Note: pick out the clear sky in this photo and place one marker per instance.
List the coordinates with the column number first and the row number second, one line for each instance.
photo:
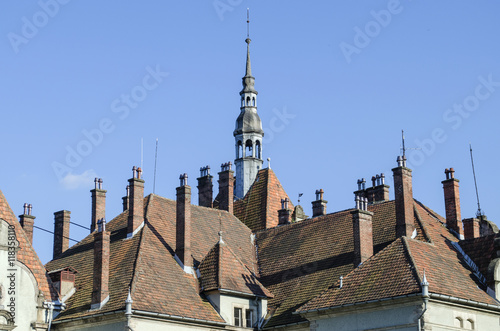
column 82, row 82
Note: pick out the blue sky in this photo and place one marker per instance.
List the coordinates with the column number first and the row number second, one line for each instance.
column 84, row 81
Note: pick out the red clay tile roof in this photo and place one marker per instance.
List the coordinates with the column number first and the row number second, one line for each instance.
column 146, row 263
column 398, row 269
column 259, row 208
column 389, row 273
column 481, row 250
column 27, row 254
column 222, row 269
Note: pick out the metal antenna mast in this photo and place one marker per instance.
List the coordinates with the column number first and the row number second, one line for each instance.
column 156, row 158
column 479, row 211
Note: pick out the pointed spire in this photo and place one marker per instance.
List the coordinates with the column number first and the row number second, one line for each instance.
column 248, row 72
column 128, row 304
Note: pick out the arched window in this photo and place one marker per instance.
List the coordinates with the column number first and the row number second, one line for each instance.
column 258, row 152
column 248, row 148
column 240, row 150
column 469, row 324
column 242, row 102
column 253, row 101
column 248, row 101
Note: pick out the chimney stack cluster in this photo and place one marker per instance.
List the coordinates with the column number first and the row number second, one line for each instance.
column 319, row 206
column 362, row 229
column 284, row 213
column 378, row 192
column 205, row 188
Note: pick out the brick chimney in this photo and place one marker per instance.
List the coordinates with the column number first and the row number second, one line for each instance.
column 27, row 221
column 284, row 213
column 61, row 232
column 452, row 202
column 98, row 203
column 136, row 202
column 183, row 224
column 125, row 199
column 362, row 231
column 319, row 206
column 379, row 192
column 226, row 187
column 471, row 228
column 205, row 188
column 100, row 291
column 404, row 199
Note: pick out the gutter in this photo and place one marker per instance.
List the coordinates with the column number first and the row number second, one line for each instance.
column 144, row 313
column 285, row 325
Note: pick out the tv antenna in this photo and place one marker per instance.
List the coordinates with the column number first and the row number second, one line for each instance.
column 479, row 211
column 404, row 149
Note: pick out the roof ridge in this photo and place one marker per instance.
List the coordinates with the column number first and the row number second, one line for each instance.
column 134, row 278
column 419, row 220
column 410, row 256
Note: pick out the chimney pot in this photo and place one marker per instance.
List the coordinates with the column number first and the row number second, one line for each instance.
column 319, row 206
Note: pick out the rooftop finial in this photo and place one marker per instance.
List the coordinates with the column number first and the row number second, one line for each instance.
column 248, row 25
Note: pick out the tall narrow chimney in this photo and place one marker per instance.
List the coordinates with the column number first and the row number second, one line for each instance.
column 319, row 206
column 125, row 199
column 98, row 203
column 226, row 187
column 61, row 232
column 452, row 202
column 27, row 221
column 362, row 231
column 183, row 227
column 284, row 213
column 404, row 199
column 471, row 228
column 136, row 202
column 205, row 188
column 100, row 291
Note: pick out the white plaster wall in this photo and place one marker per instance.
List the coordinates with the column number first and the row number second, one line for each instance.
column 403, row 316
column 26, row 289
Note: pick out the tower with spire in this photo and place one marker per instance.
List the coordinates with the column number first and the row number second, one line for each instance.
column 248, row 133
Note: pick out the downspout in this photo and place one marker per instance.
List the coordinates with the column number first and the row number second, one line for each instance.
column 425, row 297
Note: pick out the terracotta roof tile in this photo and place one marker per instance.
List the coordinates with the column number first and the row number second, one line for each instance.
column 222, row 269
column 146, row 263
column 259, row 208
column 27, row 254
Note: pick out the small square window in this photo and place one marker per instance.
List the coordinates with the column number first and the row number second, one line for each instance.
column 249, row 318
column 237, row 317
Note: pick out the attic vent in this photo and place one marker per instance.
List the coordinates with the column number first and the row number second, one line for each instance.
column 68, row 276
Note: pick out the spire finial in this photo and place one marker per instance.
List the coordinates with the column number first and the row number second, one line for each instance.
column 248, row 25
